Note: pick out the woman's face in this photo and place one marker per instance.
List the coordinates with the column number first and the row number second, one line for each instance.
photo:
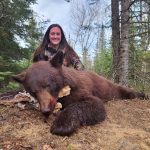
column 55, row 36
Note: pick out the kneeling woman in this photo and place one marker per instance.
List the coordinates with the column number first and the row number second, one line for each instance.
column 54, row 40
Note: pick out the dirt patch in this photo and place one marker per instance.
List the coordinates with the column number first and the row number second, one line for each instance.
column 127, row 127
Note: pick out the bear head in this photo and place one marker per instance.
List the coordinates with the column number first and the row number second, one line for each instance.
column 43, row 80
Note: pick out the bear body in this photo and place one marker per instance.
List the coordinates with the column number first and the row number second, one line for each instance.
column 85, row 103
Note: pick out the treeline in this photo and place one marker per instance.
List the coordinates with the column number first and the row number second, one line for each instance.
column 125, row 55
column 19, row 34
column 113, row 37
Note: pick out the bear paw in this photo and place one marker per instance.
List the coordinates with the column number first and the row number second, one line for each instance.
column 65, row 123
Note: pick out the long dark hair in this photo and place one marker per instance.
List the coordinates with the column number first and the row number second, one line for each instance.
column 63, row 43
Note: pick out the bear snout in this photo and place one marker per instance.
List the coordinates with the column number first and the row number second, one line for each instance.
column 47, row 102
column 47, row 109
column 46, row 112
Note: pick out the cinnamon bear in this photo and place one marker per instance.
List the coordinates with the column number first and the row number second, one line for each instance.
column 85, row 103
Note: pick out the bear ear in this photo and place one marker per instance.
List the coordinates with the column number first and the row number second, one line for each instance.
column 57, row 60
column 19, row 77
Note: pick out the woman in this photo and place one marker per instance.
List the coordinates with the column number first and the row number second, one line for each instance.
column 54, row 40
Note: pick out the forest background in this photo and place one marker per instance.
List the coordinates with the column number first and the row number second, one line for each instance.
column 111, row 35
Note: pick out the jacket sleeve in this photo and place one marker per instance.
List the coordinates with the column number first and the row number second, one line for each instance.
column 73, row 59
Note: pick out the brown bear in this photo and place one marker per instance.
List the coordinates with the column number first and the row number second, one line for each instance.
column 83, row 106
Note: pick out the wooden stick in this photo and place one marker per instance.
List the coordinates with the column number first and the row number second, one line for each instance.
column 15, row 100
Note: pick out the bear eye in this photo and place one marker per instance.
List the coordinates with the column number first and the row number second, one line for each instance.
column 33, row 94
column 46, row 86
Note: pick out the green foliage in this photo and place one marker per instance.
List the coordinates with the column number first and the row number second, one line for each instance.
column 14, row 22
column 103, row 62
column 17, row 25
column 139, row 54
column 10, row 86
column 139, row 69
column 15, row 15
column 4, row 78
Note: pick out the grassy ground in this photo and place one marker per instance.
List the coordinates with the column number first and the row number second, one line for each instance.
column 127, row 127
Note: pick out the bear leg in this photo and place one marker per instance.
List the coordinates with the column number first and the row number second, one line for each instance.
column 88, row 112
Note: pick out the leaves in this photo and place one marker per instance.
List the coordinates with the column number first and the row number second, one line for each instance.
column 18, row 26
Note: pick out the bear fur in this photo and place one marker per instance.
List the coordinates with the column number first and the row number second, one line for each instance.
column 85, row 103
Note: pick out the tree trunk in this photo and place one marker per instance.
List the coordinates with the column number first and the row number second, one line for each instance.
column 115, row 38
column 124, row 43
